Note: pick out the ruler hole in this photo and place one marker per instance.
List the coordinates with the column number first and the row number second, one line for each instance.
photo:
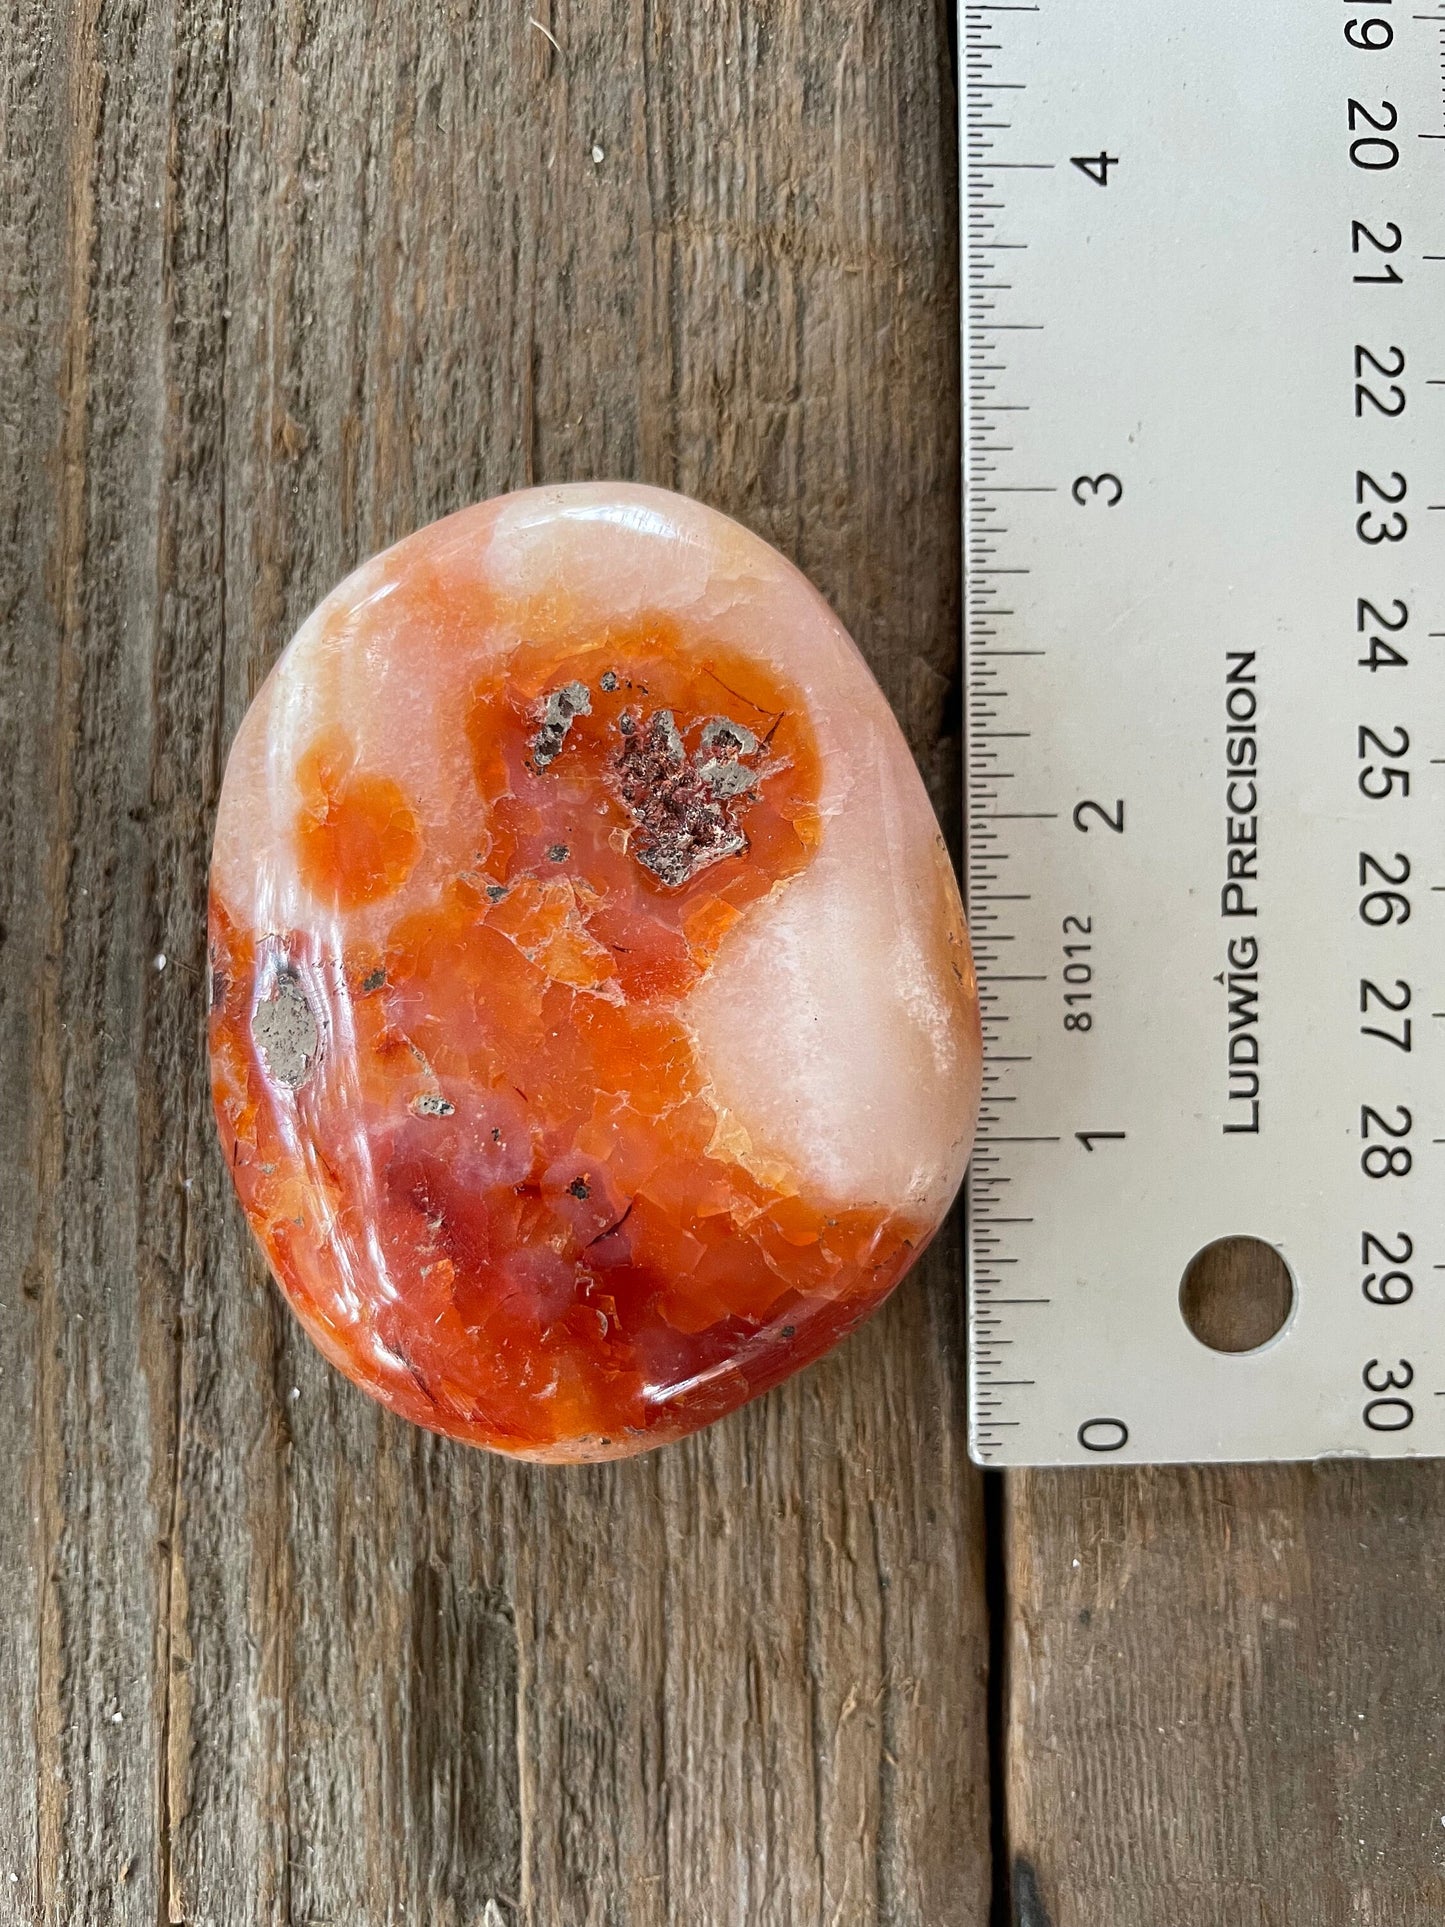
column 1236, row 1294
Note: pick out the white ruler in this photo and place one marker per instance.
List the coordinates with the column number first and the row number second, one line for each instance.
column 1205, row 435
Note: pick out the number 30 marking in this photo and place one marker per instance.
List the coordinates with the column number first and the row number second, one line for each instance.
column 1091, row 488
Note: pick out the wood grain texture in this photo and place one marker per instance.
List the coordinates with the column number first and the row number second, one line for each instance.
column 279, row 283
column 1225, row 1696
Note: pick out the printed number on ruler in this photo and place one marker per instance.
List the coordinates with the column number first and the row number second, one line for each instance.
column 1205, row 546
column 1381, row 391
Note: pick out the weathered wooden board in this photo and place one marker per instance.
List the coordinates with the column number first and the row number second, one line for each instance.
column 1225, row 1696
column 277, row 283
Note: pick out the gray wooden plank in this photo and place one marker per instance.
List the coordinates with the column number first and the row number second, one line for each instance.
column 285, row 282
column 32, row 289
column 100, row 1272
column 1224, row 1704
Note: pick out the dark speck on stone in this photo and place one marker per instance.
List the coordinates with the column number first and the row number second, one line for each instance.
column 722, row 733
column 790, row 1331
column 495, row 892
column 374, row 981
column 724, row 742
column 609, row 680
column 559, row 853
column 496, row 1134
column 560, row 708
column 626, row 723
column 727, row 779
column 579, row 1188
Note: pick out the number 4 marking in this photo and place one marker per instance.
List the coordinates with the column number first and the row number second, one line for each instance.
column 1096, row 166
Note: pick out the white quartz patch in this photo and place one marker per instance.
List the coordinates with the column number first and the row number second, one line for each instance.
column 824, row 1029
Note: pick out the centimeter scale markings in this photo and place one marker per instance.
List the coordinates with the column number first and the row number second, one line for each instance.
column 1205, row 680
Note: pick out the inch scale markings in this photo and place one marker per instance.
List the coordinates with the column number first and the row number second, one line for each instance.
column 986, row 618
column 1204, row 445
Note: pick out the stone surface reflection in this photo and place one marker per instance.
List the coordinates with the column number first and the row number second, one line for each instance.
column 593, row 1029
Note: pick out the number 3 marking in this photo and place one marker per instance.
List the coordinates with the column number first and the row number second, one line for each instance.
column 1089, row 487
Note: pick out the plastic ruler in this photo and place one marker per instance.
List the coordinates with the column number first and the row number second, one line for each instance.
column 1205, row 702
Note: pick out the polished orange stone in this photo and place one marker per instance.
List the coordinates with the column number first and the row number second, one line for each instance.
column 593, row 1031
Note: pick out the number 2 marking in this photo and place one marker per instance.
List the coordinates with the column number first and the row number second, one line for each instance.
column 1114, row 822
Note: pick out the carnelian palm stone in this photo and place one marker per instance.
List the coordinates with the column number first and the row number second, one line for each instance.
column 593, row 1029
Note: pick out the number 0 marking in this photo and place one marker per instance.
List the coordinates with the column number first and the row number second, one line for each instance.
column 1103, row 1434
